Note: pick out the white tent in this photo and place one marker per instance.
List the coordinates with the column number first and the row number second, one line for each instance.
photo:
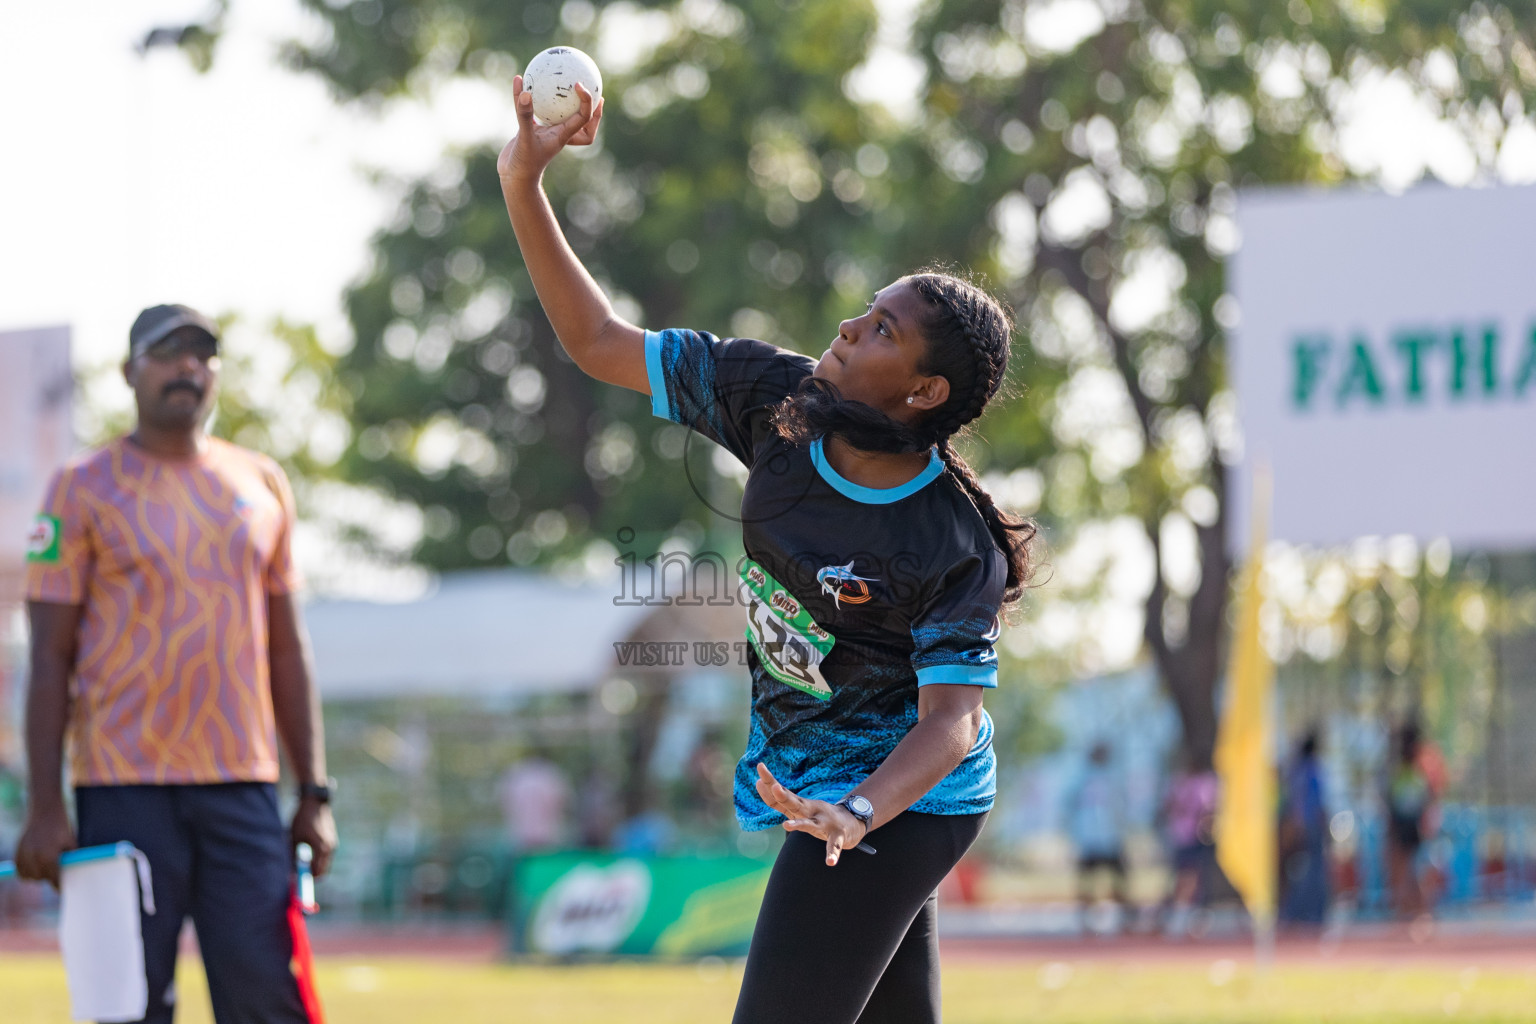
column 486, row 633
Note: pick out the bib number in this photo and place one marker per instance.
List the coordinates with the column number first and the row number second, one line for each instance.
column 787, row 640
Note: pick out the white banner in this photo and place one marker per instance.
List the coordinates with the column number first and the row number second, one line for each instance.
column 35, row 433
column 1385, row 364
column 35, row 438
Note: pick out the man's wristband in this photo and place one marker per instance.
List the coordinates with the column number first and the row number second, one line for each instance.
column 320, row 792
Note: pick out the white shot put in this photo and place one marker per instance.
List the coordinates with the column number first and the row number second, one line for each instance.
column 551, row 78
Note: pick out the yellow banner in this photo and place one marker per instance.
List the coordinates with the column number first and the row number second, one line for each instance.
column 1245, row 818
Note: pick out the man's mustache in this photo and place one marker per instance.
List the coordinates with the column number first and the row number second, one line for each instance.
column 181, row 385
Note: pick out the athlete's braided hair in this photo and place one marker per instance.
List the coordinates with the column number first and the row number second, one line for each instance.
column 968, row 333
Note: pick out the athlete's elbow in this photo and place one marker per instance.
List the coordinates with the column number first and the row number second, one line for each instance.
column 969, row 727
column 578, row 348
column 964, row 727
column 601, row 352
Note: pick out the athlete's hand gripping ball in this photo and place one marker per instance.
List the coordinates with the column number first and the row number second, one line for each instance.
column 552, row 78
column 535, row 145
column 835, row 824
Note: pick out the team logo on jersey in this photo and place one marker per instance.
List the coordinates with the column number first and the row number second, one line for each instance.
column 841, row 582
column 43, row 539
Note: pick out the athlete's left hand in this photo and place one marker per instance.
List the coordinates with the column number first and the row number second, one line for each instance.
column 831, row 822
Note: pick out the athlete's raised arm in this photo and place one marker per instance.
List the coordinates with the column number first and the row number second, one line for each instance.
column 601, row 344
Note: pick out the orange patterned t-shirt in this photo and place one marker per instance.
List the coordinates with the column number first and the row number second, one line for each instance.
column 173, row 561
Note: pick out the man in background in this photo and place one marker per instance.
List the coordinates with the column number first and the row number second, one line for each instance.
column 1189, row 818
column 1303, row 835
column 166, row 644
column 535, row 797
column 1097, row 821
column 1415, row 781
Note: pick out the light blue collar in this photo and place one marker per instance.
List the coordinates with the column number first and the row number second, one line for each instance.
column 875, row 495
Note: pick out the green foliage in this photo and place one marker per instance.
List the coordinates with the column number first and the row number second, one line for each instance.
column 198, row 42
column 710, row 202
column 278, row 394
column 1077, row 153
column 1108, row 160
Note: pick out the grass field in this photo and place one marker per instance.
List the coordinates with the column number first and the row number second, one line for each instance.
column 404, row 991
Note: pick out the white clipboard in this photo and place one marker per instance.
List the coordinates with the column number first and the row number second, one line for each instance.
column 101, row 892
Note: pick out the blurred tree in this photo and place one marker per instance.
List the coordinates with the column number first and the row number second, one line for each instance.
column 1087, row 153
column 198, row 41
column 1084, row 154
column 711, row 201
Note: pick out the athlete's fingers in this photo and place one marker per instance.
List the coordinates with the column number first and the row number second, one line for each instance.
column 577, row 121
column 524, row 106
column 792, row 804
column 769, row 791
column 789, row 804
column 588, row 133
column 765, row 782
column 811, row 825
column 770, row 788
column 834, row 849
column 780, row 799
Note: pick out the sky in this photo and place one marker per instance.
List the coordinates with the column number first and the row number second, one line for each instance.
column 112, row 207
column 132, row 180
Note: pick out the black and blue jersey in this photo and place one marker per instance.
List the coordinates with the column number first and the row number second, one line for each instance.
column 854, row 596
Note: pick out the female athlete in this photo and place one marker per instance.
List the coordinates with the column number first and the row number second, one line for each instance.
column 875, row 569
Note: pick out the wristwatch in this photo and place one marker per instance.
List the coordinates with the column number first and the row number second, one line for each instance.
column 860, row 808
column 317, row 791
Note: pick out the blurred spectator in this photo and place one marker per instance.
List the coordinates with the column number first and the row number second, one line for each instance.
column 708, row 776
column 12, row 905
column 1303, row 835
column 651, row 833
column 1189, row 818
column 597, row 811
column 1097, row 825
column 1414, row 785
column 534, row 799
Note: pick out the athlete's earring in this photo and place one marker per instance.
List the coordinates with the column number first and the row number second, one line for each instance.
column 909, row 399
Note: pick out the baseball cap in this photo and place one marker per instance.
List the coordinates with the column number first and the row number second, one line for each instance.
column 154, row 323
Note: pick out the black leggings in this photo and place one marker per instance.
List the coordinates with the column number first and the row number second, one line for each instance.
column 857, row 942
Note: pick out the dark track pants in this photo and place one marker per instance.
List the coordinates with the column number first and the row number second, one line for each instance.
column 857, row 942
column 219, row 853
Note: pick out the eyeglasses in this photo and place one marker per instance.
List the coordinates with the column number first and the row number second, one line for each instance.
column 179, row 343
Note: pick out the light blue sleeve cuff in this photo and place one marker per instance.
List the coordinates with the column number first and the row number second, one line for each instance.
column 958, row 675
column 660, row 407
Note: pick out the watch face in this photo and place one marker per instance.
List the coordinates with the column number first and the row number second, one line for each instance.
column 860, row 806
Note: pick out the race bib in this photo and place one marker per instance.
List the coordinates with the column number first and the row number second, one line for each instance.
column 787, row 640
